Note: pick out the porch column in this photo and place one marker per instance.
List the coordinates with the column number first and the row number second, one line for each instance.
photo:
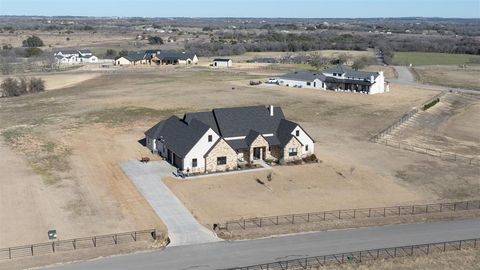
column 261, row 153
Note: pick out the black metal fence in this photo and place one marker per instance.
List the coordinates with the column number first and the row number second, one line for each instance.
column 346, row 214
column 77, row 243
column 431, row 152
column 366, row 255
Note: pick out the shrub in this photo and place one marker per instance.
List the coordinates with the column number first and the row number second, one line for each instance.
column 155, row 40
column 122, row 53
column 32, row 41
column 255, row 82
column 36, row 85
column 12, row 87
column 430, row 104
column 111, row 53
column 29, row 52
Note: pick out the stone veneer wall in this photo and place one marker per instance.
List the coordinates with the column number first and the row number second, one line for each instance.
column 293, row 143
column 219, row 150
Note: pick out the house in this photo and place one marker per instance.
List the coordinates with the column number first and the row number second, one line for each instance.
column 337, row 78
column 133, row 58
column 74, row 56
column 174, row 58
column 222, row 62
column 223, row 139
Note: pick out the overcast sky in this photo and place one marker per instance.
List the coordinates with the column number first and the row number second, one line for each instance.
column 246, row 8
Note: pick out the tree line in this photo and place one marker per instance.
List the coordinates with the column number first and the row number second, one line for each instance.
column 12, row 87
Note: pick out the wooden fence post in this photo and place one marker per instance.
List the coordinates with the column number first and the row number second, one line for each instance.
column 308, row 217
column 53, row 247
column 9, row 253
column 293, row 219
column 31, row 247
column 74, row 243
column 94, row 241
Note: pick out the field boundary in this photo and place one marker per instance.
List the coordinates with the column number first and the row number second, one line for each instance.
column 367, row 255
column 348, row 214
column 404, row 118
column 77, row 243
column 431, row 152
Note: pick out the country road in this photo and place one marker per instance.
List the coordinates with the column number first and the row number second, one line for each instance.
column 221, row 255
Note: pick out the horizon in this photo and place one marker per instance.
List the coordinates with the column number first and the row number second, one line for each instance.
column 264, row 9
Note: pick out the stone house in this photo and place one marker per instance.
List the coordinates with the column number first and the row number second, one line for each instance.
column 224, row 138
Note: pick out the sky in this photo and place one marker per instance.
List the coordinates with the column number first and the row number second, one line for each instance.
column 245, row 8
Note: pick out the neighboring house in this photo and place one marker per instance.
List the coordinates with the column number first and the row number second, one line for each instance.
column 224, row 138
column 133, row 58
column 174, row 58
column 73, row 56
column 222, row 62
column 338, row 78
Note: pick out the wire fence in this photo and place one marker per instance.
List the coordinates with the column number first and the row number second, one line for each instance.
column 349, row 214
column 429, row 151
column 367, row 255
column 77, row 243
column 403, row 119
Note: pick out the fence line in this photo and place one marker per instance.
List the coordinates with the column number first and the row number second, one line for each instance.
column 367, row 255
column 348, row 214
column 431, row 152
column 77, row 243
column 403, row 119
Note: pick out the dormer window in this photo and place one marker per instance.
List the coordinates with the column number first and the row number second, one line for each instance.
column 210, row 138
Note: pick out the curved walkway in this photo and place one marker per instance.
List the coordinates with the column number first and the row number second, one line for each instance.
column 183, row 228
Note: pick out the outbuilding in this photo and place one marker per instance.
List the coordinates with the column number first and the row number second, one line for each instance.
column 222, row 62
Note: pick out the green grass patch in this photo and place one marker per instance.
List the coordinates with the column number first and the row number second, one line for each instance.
column 425, row 58
column 125, row 115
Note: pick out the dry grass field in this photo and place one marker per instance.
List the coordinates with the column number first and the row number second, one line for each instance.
column 61, row 149
column 450, row 76
column 460, row 260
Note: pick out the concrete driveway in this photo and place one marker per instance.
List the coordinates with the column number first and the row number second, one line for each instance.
column 183, row 228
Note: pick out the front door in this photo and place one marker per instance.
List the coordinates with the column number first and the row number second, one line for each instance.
column 256, row 153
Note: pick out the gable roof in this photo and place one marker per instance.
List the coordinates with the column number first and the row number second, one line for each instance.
column 206, row 117
column 238, row 121
column 172, row 55
column 221, row 60
column 351, row 72
column 177, row 135
column 303, row 75
column 135, row 56
column 67, row 51
column 284, row 131
column 85, row 51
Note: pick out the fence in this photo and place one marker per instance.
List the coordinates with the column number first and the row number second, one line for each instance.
column 403, row 119
column 366, row 255
column 77, row 243
column 432, row 152
column 379, row 212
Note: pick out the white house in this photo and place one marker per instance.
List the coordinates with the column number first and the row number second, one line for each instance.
column 222, row 63
column 338, row 78
column 70, row 56
column 224, row 138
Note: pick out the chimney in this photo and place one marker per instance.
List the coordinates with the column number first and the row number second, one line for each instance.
column 372, row 79
column 271, row 110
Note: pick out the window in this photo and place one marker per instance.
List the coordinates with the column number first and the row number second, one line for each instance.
column 292, row 152
column 194, row 163
column 306, row 147
column 221, row 160
column 209, row 138
column 297, row 133
column 308, row 83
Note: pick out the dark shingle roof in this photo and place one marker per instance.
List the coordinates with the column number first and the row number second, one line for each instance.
column 351, row 73
column 171, row 55
column 135, row 56
column 303, row 75
column 234, row 122
column 251, row 136
column 284, row 131
column 238, row 144
column 84, row 51
column 68, row 51
column 178, row 136
column 221, row 60
column 272, row 140
column 206, row 117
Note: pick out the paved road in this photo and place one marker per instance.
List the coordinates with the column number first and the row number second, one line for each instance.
column 404, row 75
column 183, row 228
column 242, row 253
